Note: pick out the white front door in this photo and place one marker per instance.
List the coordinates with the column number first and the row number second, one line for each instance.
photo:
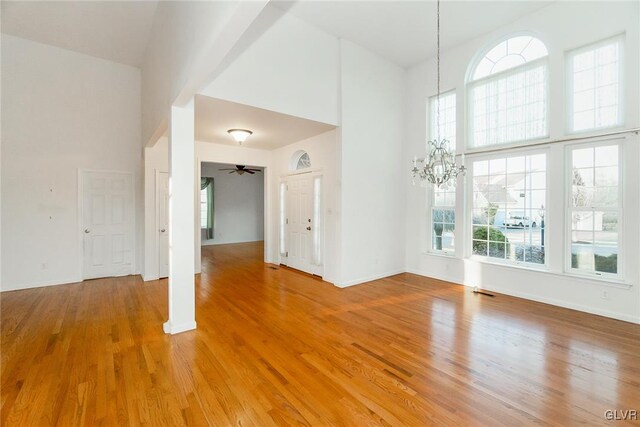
column 107, row 224
column 163, row 223
column 299, row 227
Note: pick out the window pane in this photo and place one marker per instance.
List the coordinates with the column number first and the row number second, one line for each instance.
column 442, row 125
column 595, row 81
column 510, row 107
column 595, row 185
column 445, row 111
column 443, row 227
column 203, row 208
column 510, row 209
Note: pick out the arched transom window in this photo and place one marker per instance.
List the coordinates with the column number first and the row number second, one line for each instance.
column 508, row 93
column 299, row 160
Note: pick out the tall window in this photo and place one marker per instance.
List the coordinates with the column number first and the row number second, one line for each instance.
column 203, row 208
column 443, row 203
column 447, row 109
column 594, row 82
column 594, row 211
column 508, row 93
column 509, row 198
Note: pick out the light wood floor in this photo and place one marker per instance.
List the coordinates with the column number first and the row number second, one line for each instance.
column 277, row 347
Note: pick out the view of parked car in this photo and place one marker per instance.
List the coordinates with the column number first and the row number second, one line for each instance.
column 519, row 219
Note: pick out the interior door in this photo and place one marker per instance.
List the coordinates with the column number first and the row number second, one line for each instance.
column 107, row 224
column 299, row 227
column 163, row 223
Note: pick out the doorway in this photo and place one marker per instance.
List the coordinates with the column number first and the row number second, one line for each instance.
column 232, row 204
column 162, row 221
column 107, row 225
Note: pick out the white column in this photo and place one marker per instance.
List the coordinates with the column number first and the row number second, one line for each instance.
column 182, row 222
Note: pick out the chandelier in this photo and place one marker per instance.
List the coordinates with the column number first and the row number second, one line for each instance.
column 440, row 164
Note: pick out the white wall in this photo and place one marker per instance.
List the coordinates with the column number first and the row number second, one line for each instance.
column 61, row 111
column 562, row 26
column 181, row 32
column 373, row 188
column 238, row 205
column 292, row 68
column 190, row 41
column 323, row 150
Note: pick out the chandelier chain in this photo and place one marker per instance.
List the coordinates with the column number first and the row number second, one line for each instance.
column 439, row 166
column 438, row 68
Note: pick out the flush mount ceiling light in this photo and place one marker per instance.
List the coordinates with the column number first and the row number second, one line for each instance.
column 240, row 135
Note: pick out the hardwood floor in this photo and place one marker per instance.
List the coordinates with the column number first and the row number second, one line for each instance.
column 277, row 347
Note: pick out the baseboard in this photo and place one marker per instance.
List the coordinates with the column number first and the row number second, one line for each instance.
column 58, row 282
column 170, row 328
column 150, row 278
column 211, row 243
column 366, row 279
column 537, row 298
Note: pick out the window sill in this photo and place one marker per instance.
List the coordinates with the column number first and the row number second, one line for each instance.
column 597, row 280
column 442, row 254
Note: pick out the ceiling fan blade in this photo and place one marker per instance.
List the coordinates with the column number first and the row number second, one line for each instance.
column 254, row 170
column 233, row 171
column 226, row 169
column 249, row 171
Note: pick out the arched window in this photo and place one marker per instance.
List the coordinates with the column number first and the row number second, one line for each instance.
column 508, row 93
column 299, row 160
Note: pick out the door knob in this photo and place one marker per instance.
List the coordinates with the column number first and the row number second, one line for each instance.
column 309, row 228
column 87, row 231
column 163, row 230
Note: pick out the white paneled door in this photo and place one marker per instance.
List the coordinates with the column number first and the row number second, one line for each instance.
column 299, row 223
column 163, row 223
column 107, row 223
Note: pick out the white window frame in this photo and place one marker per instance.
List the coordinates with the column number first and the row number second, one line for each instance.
column 431, row 196
column 203, row 224
column 569, row 55
column 514, row 143
column 432, row 114
column 569, row 209
column 433, row 133
column 468, row 245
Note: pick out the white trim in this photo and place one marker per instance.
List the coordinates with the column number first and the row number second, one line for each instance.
column 480, row 54
column 366, row 279
column 301, row 172
column 45, row 283
column 618, row 277
column 172, row 329
column 536, row 298
column 149, row 278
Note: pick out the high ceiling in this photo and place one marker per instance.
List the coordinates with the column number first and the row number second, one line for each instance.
column 114, row 30
column 404, row 32
column 271, row 130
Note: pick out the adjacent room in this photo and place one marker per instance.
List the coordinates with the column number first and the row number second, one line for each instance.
column 347, row 213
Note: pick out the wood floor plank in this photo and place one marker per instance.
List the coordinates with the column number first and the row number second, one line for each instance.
column 279, row 347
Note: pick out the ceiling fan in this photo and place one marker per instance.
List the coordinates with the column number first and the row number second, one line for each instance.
column 240, row 169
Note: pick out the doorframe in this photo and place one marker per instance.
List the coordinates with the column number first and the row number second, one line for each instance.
column 318, row 270
column 80, row 218
column 156, row 221
column 266, row 181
